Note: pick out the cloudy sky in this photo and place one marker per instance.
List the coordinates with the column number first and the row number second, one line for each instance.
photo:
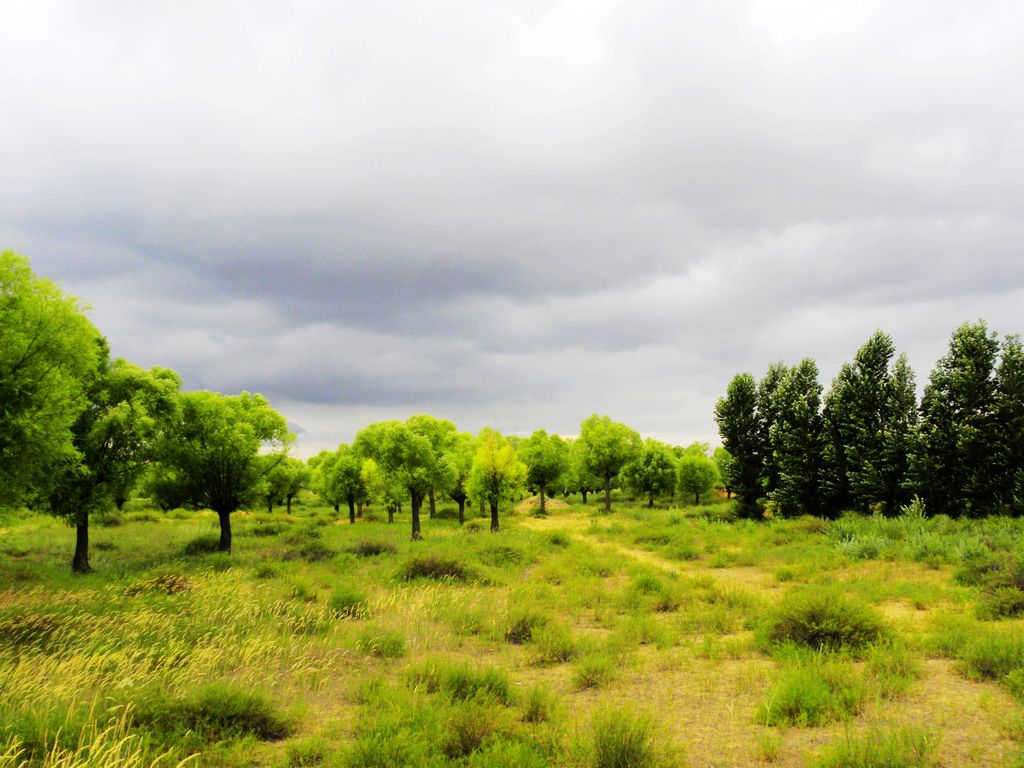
column 515, row 213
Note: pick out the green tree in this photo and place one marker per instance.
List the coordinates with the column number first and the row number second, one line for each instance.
column 497, row 473
column 740, row 427
column 214, row 450
column 767, row 415
column 441, row 435
column 726, row 466
column 547, row 459
column 48, row 356
column 113, row 440
column 321, row 466
column 579, row 478
column 608, row 446
column 796, row 439
column 459, row 459
column 1008, row 471
column 405, row 456
column 652, row 472
column 346, row 479
column 697, row 475
column 284, row 479
column 956, row 446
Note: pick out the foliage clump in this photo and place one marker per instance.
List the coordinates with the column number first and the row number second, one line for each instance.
column 373, row 548
column 461, row 682
column 348, row 603
column 903, row 748
column 622, row 739
column 436, row 567
column 823, row 620
column 164, row 584
column 814, row 693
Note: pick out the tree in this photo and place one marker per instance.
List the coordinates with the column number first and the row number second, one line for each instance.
column 607, row 447
column 547, row 459
column 652, row 472
column 579, row 478
column 215, row 449
column 321, row 466
column 725, row 465
column 767, row 415
column 459, row 460
column 956, row 447
column 113, row 437
column 1008, row 471
column 404, row 455
column 740, row 425
column 283, row 480
column 497, row 472
column 346, row 479
column 440, row 433
column 796, row 439
column 697, row 474
column 48, row 355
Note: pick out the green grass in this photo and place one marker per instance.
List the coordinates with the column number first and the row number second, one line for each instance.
column 902, row 748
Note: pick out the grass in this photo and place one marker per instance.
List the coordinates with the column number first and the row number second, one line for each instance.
column 473, row 649
column 903, row 748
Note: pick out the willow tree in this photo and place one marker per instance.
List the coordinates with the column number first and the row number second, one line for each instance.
column 547, row 459
column 497, row 473
column 607, row 447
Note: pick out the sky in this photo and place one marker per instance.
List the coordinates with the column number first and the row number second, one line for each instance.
column 515, row 214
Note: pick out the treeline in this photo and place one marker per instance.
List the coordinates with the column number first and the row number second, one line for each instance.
column 869, row 445
column 81, row 431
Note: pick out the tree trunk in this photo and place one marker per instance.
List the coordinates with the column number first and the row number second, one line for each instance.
column 584, row 492
column 607, row 493
column 650, row 502
column 416, row 501
column 336, row 508
column 359, row 510
column 543, row 510
column 433, row 505
column 696, row 498
column 494, row 516
column 225, row 532
column 270, row 506
column 289, row 500
column 80, row 562
column 119, row 502
column 728, row 494
column 391, row 513
column 351, row 512
column 462, row 511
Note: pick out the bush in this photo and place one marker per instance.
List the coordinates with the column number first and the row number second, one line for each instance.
column 994, row 655
column 824, row 621
column 435, row 567
column 214, row 713
column 559, row 540
column 460, row 682
column 382, row 643
column 312, row 551
column 310, row 751
column 466, row 729
column 554, row 644
column 622, row 740
column 522, row 625
column 905, row 748
column 593, row 671
column 201, row 545
column 348, row 603
column 814, row 693
column 502, row 556
column 1000, row 603
column 508, row 753
column 894, row 668
column 373, row 548
column 539, row 705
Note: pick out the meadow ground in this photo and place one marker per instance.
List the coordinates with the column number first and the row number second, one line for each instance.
column 664, row 637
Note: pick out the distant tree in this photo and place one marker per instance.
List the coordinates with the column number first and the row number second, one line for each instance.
column 697, row 475
column 214, row 450
column 441, row 434
column 274, row 481
column 48, row 357
column 726, row 466
column 740, row 426
column 796, row 439
column 346, row 479
column 1008, row 470
column 767, row 416
column 497, row 473
column 405, row 456
column 113, row 438
column 459, row 460
column 579, row 478
column 321, row 467
column 653, row 472
column 547, row 459
column 956, row 445
column 284, row 479
column 868, row 421
column 608, row 446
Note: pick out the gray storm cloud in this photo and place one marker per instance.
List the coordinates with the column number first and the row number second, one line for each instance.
column 515, row 213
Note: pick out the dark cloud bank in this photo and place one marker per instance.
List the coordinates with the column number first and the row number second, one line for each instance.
column 515, row 214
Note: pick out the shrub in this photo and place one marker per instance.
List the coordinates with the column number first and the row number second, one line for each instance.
column 268, row 529
column 214, row 713
column 111, row 520
column 348, row 603
column 312, row 551
column 460, row 682
column 465, row 730
column 554, row 644
column 622, row 740
column 894, row 668
column 166, row 584
column 434, row 567
column 382, row 643
column 310, row 751
column 539, row 705
column 522, row 625
column 823, row 620
column 559, row 539
column 994, row 655
column 904, row 748
column 201, row 545
column 503, row 556
column 1000, row 603
column 508, row 753
column 266, row 571
column 373, row 548
column 593, row 671
column 814, row 693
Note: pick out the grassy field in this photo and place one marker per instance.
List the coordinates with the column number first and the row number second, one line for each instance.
column 665, row 637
